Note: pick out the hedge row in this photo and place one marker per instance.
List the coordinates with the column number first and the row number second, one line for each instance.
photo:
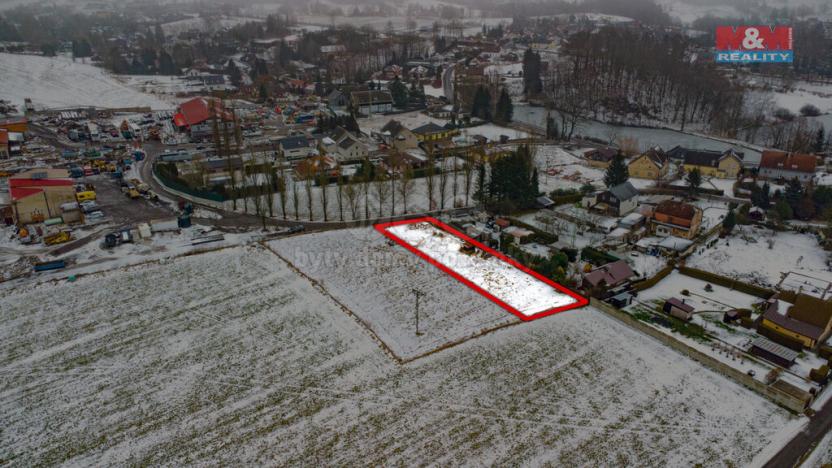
column 727, row 282
column 650, row 282
column 539, row 236
column 567, row 199
column 597, row 257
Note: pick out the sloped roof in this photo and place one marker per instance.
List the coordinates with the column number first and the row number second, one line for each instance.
column 22, row 192
column 679, row 304
column 4, row 136
column 611, row 273
column 676, row 209
column 811, row 310
column 792, row 324
column 376, row 97
column 624, row 192
column 428, row 128
column 788, row 161
column 198, row 110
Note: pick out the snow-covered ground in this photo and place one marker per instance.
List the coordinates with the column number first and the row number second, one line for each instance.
column 58, row 82
column 822, row 454
column 762, row 257
column 561, row 169
column 235, row 359
column 518, row 289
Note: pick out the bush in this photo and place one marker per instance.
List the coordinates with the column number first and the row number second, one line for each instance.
column 685, row 292
column 596, row 257
column 784, row 114
column 809, row 110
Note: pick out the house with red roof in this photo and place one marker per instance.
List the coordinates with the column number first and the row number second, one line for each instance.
column 781, row 165
column 196, row 116
column 38, row 194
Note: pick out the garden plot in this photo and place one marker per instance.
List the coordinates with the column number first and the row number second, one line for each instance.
column 560, row 169
column 234, row 359
column 762, row 257
column 375, row 278
column 515, row 288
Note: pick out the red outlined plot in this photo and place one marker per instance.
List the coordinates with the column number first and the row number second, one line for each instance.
column 566, row 299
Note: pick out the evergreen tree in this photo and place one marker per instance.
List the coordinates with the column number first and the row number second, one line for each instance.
column 234, row 73
column 166, row 65
column 782, row 210
column 729, row 222
column 264, row 93
column 552, row 132
column 694, row 180
column 505, row 108
column 794, row 192
column 531, row 73
column 481, row 107
column 399, row 93
column 820, row 141
column 617, row 172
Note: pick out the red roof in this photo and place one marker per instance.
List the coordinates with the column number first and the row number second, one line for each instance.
column 17, row 182
column 195, row 111
column 179, row 120
column 788, row 161
column 4, row 136
column 23, row 192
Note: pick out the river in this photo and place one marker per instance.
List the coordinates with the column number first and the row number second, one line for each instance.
column 646, row 137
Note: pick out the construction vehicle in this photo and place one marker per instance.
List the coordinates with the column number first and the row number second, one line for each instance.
column 133, row 193
column 57, row 238
column 85, row 195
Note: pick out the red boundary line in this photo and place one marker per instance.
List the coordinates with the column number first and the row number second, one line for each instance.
column 383, row 229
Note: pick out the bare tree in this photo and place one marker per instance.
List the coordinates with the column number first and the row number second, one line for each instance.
column 295, row 201
column 381, row 190
column 323, row 181
column 429, row 171
column 307, row 185
column 340, row 196
column 366, row 178
column 443, row 182
column 406, row 185
column 352, row 192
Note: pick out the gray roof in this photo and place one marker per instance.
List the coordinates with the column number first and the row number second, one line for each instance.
column 624, row 192
column 776, row 349
column 294, row 142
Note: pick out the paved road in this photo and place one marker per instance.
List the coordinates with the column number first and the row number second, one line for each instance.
column 790, row 455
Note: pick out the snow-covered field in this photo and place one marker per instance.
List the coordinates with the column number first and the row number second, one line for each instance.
column 234, row 359
column 520, row 290
column 375, row 280
column 746, row 255
column 58, row 82
column 560, row 169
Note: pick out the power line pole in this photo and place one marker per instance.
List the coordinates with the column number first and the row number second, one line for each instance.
column 418, row 294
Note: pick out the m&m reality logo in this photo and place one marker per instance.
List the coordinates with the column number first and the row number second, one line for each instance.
column 754, row 44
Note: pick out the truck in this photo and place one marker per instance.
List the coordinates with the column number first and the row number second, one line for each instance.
column 47, row 266
column 57, row 238
column 133, row 193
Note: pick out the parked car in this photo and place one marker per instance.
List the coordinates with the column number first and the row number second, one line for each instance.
column 98, row 214
column 89, row 206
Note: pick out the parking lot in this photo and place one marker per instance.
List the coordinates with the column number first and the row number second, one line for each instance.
column 119, row 208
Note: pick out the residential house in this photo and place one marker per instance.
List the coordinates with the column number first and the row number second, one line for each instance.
column 779, row 165
column 296, row 147
column 600, row 157
column 807, row 323
column 652, row 164
column 617, row 201
column 432, row 132
column 721, row 164
column 15, row 124
column 396, row 135
column 338, row 100
column 38, row 194
column 675, row 218
column 371, row 102
column 605, row 277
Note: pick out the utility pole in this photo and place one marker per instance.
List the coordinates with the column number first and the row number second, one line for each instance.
column 418, row 294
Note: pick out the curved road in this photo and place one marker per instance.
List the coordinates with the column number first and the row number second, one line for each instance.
column 231, row 219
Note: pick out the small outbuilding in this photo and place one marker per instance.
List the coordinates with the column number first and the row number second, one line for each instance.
column 678, row 308
column 773, row 352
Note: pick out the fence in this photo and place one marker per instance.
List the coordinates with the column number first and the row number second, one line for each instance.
column 772, row 393
column 727, row 282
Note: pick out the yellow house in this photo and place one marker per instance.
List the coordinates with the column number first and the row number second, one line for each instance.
column 725, row 165
column 652, row 164
column 432, row 132
column 808, row 321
